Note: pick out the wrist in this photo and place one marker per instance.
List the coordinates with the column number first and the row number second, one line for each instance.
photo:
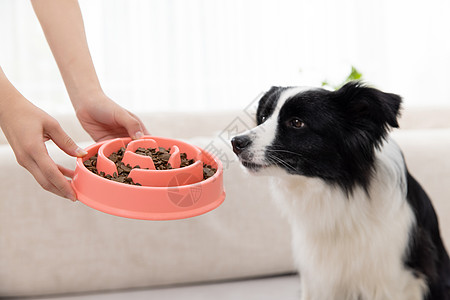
column 86, row 97
column 10, row 98
column 12, row 106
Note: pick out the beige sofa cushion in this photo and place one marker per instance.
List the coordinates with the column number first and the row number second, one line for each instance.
column 426, row 154
column 50, row 245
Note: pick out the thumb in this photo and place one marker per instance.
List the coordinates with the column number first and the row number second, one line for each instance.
column 63, row 141
column 131, row 124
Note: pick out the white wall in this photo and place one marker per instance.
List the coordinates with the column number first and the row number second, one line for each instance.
column 200, row 54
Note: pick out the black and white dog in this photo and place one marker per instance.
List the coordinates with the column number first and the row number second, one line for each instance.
column 362, row 227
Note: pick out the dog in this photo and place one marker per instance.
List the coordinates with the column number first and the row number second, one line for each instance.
column 362, row 227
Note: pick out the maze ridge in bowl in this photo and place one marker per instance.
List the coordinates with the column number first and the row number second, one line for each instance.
column 172, row 194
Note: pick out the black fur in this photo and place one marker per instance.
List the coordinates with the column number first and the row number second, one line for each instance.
column 267, row 103
column 342, row 130
column 426, row 254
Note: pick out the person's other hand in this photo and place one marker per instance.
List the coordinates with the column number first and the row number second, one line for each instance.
column 27, row 128
column 104, row 119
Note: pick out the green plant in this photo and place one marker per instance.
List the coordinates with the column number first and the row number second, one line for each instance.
column 354, row 75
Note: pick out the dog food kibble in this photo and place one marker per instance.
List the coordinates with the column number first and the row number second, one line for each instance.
column 208, row 171
column 159, row 156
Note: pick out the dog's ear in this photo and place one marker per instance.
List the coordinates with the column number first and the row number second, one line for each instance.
column 365, row 104
column 367, row 115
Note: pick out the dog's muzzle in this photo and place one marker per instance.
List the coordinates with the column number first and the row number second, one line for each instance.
column 240, row 143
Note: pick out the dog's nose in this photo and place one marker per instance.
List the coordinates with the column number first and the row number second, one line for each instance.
column 240, row 142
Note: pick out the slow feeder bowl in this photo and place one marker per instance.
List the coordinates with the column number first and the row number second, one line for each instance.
column 164, row 195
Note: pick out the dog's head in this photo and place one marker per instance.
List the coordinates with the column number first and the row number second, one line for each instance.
column 332, row 135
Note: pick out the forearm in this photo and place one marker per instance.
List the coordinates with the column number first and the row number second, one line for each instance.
column 9, row 95
column 63, row 27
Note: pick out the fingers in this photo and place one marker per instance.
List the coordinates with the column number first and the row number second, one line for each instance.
column 62, row 140
column 34, row 157
column 142, row 124
column 66, row 172
column 49, row 176
column 132, row 125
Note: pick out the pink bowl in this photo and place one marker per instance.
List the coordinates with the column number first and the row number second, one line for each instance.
column 164, row 195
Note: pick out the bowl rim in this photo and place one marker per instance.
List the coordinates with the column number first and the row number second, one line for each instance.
column 148, row 215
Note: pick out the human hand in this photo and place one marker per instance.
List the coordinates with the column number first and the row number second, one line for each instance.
column 101, row 117
column 27, row 128
column 104, row 119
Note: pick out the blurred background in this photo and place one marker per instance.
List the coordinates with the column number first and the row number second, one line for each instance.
column 156, row 55
column 177, row 56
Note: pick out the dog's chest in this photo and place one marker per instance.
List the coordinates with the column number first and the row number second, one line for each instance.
column 348, row 248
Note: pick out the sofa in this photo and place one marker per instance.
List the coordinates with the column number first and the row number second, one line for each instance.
column 51, row 246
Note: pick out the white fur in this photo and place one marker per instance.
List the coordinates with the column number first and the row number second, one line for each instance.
column 351, row 249
column 345, row 248
column 264, row 134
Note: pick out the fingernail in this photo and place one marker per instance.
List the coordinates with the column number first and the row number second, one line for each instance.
column 138, row 135
column 80, row 152
column 71, row 197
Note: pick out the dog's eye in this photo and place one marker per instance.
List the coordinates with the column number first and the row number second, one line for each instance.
column 263, row 119
column 295, row 123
